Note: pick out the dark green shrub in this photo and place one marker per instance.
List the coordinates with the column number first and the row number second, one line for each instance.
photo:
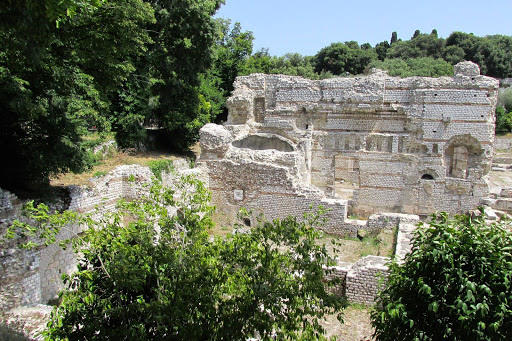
column 456, row 284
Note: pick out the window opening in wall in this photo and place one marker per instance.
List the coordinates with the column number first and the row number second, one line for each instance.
column 435, row 148
column 247, row 222
column 427, row 177
column 390, row 144
column 357, row 143
column 459, row 164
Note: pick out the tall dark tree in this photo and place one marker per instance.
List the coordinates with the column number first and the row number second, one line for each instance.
column 394, row 37
column 54, row 81
column 233, row 47
column 382, row 49
column 184, row 36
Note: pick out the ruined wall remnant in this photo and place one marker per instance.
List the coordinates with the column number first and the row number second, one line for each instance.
column 366, row 144
column 28, row 277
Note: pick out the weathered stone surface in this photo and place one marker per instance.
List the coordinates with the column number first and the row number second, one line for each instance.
column 410, row 145
column 467, row 69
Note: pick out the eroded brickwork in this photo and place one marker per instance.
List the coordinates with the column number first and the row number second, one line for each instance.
column 373, row 144
column 34, row 276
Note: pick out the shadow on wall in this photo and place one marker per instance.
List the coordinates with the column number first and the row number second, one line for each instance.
column 9, row 334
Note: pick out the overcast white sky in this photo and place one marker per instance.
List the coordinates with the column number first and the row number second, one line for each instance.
column 306, row 26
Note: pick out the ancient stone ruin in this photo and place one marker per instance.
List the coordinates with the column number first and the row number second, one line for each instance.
column 356, row 145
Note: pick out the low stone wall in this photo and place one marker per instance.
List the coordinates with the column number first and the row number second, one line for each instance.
column 503, row 143
column 361, row 281
column 34, row 276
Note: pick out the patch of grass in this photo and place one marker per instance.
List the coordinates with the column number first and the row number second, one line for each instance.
column 128, row 157
column 349, row 249
column 99, row 174
column 380, row 243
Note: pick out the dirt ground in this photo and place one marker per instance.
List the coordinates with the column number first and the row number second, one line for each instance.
column 26, row 324
column 356, row 326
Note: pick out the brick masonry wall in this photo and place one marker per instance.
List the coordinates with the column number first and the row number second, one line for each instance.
column 34, row 276
column 395, row 130
column 503, row 143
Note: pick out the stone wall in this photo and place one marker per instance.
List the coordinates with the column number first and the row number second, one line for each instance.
column 34, row 276
column 382, row 144
column 503, row 143
column 361, row 281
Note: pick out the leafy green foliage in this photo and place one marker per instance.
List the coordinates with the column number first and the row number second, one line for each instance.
column 159, row 166
column 341, row 58
column 150, row 272
column 504, row 112
column 420, row 45
column 455, row 284
column 55, row 82
column 505, row 99
column 492, row 53
column 183, row 36
column 292, row 64
column 425, row 66
column 503, row 121
column 231, row 50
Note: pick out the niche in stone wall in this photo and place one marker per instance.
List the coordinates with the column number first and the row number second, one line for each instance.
column 346, row 176
column 462, row 156
column 259, row 109
column 259, row 142
column 379, row 143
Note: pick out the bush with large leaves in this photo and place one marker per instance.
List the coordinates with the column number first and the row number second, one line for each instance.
column 456, row 284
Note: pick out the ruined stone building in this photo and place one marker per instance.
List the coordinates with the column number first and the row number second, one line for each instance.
column 359, row 145
column 356, row 146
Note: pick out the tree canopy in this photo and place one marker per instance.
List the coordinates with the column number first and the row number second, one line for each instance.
column 55, row 83
column 98, row 65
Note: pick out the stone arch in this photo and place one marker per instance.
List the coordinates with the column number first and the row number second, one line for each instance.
column 462, row 153
column 428, row 174
column 264, row 142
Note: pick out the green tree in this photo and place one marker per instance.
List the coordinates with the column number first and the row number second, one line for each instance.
column 160, row 276
column 232, row 49
column 381, row 49
column 394, row 38
column 455, row 284
column 503, row 121
column 339, row 58
column 492, row 53
column 54, row 82
column 259, row 62
column 421, row 45
column 184, row 34
column 426, row 67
